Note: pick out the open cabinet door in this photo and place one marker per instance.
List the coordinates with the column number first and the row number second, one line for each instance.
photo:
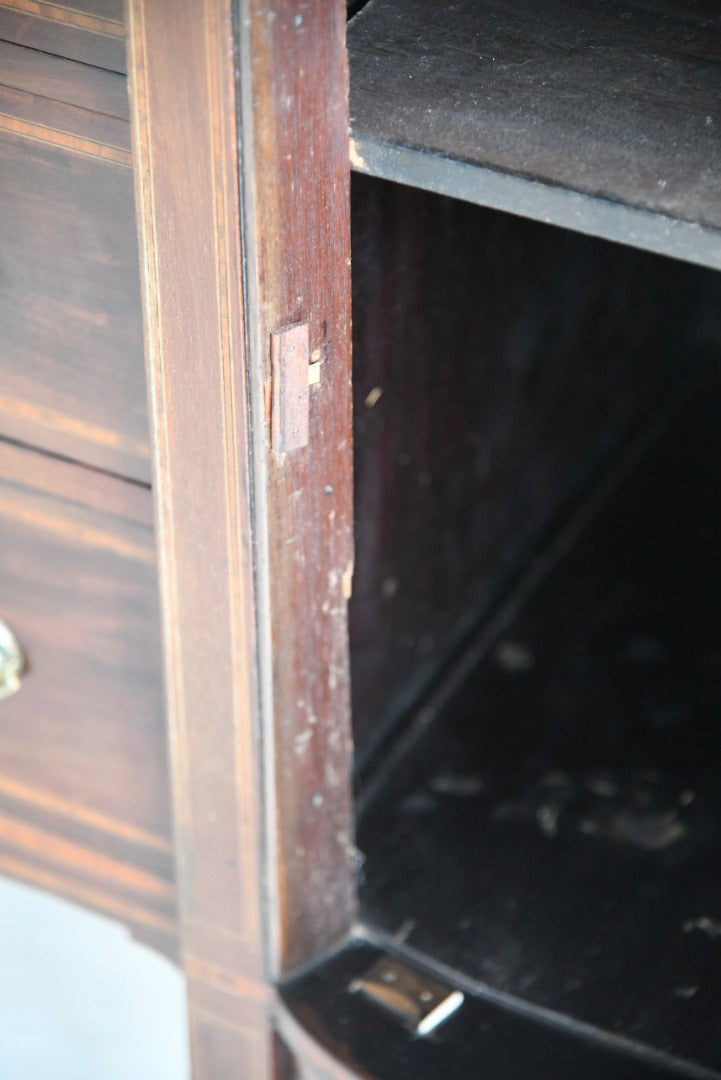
column 240, row 142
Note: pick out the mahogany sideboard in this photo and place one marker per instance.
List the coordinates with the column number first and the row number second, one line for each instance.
column 423, row 780
column 159, row 807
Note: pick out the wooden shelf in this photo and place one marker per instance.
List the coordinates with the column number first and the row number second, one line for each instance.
column 553, row 834
column 488, row 1036
column 603, row 117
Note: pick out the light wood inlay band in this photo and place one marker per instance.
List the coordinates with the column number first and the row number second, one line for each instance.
column 94, row 24
column 65, row 140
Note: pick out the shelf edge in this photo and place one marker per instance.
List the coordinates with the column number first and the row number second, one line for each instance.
column 550, row 204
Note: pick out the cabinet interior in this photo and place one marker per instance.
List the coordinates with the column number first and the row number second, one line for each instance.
column 599, row 116
column 535, row 628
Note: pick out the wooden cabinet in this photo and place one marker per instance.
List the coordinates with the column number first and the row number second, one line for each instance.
column 85, row 803
column 536, row 476
column 72, row 365
column 483, row 550
column 83, row 761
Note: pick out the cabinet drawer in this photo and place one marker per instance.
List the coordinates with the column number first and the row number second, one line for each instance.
column 84, row 805
column 60, row 79
column 91, row 31
column 71, row 365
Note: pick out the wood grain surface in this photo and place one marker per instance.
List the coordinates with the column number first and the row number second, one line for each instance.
column 289, row 550
column 185, row 145
column 296, row 236
column 63, row 80
column 86, row 132
column 84, row 802
column 95, row 37
column 71, row 367
column 294, row 113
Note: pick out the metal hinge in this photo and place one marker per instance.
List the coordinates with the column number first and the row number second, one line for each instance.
column 421, row 1003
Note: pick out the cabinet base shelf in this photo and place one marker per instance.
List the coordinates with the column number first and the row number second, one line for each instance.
column 555, row 832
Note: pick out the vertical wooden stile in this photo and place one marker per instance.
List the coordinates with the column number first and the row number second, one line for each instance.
column 294, row 120
column 242, row 204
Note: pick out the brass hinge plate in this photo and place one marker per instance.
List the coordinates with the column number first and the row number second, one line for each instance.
column 421, row 1003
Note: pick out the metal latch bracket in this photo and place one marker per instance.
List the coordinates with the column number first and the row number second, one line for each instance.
column 421, row 1003
column 290, row 408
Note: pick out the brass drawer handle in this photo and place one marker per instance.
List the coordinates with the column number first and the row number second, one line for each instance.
column 12, row 662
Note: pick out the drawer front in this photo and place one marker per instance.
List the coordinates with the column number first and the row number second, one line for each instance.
column 60, row 79
column 71, row 364
column 84, row 804
column 90, row 31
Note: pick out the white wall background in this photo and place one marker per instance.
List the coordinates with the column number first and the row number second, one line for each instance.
column 80, row 1000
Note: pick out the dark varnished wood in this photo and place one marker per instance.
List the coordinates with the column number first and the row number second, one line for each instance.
column 185, row 126
column 84, row 804
column 72, row 358
column 76, row 11
column 63, row 80
column 297, row 237
column 92, row 134
column 305, row 1052
column 228, row 565
column 102, row 9
column 498, row 363
column 195, row 354
column 95, row 36
column 555, row 833
column 487, row 1036
column 601, row 116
